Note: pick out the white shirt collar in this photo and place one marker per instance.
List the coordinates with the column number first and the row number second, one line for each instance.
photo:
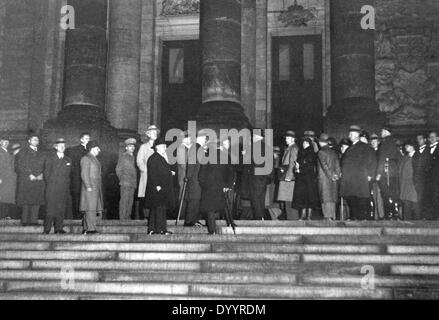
column 60, row 155
column 33, row 148
column 5, row 149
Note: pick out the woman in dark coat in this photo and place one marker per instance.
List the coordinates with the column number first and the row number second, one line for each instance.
column 306, row 195
column 159, row 189
column 214, row 180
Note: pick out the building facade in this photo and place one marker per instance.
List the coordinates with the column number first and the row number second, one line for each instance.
column 137, row 63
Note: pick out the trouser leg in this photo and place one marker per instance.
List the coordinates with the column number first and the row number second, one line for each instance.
column 258, row 201
column 292, row 214
column 328, row 209
column 160, row 219
column 59, row 220
column 407, row 210
column 25, row 214
column 48, row 221
column 211, row 222
column 151, row 220
column 90, row 221
column 193, row 211
column 126, row 202
column 34, row 211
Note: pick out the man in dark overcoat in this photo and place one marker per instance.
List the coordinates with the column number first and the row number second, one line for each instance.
column 433, row 176
column 216, row 180
column 75, row 154
column 57, row 171
column 358, row 169
column 421, row 166
column 160, row 196
column 329, row 172
column 91, row 203
column 127, row 174
column 388, row 156
column 29, row 167
column 8, row 180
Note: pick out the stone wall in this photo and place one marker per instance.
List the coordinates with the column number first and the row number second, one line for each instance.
column 407, row 61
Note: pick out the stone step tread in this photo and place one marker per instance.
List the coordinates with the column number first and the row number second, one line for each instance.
column 371, row 258
column 303, row 230
column 418, row 249
column 49, row 274
column 57, row 255
column 376, row 281
column 211, row 290
column 383, row 239
column 102, row 229
column 414, row 270
column 64, row 237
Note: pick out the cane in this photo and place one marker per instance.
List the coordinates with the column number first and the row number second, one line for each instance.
column 229, row 216
column 183, row 192
column 341, row 209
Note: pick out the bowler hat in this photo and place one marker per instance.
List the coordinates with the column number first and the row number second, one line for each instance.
column 324, row 137
column 387, row 128
column 92, row 144
column 309, row 133
column 374, row 136
column 160, row 141
column 130, row 141
column 355, row 128
column 290, row 133
column 60, row 140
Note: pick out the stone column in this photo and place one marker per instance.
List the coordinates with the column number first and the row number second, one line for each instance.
column 353, row 68
column 85, row 59
column 124, row 64
column 262, row 114
column 248, row 58
column 220, row 34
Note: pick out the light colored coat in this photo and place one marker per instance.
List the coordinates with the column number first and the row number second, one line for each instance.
column 145, row 151
column 329, row 173
column 91, row 177
column 8, row 177
column 286, row 188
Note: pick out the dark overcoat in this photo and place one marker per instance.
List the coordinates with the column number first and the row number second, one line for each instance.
column 57, row 176
column 421, row 166
column 306, row 193
column 8, row 177
column 358, row 163
column 329, row 173
column 159, row 174
column 193, row 188
column 213, row 179
column 91, row 177
column 126, row 170
column 29, row 161
column 388, row 149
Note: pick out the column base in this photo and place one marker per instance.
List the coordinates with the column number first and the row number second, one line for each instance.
column 218, row 115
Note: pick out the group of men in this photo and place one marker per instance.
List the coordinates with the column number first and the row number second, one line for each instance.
column 368, row 173
column 369, row 177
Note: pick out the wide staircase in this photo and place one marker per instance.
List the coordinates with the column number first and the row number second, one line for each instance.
column 264, row 260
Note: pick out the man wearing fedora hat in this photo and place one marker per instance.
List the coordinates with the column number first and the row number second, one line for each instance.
column 287, row 176
column 8, row 180
column 57, row 171
column 29, row 166
column 389, row 158
column 127, row 174
column 91, row 190
column 160, row 189
column 146, row 150
column 329, row 172
column 358, row 169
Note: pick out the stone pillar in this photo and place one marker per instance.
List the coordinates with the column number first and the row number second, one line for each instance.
column 124, row 64
column 220, row 34
column 85, row 59
column 262, row 114
column 248, row 58
column 353, row 69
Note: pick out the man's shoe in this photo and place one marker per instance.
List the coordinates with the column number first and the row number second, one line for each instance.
column 199, row 224
column 166, row 233
column 189, row 224
column 60, row 232
column 92, row 232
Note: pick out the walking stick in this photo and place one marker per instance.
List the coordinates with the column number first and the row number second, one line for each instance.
column 229, row 216
column 183, row 192
column 342, row 210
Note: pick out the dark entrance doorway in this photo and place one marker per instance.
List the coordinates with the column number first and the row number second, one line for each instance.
column 297, row 84
column 181, row 83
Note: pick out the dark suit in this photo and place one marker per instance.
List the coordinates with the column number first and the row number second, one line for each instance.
column 358, row 163
column 159, row 201
column 433, row 184
column 213, row 179
column 57, row 176
column 30, row 193
column 389, row 149
column 421, row 166
column 75, row 154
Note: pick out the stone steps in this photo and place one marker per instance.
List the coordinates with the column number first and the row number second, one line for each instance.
column 264, row 260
